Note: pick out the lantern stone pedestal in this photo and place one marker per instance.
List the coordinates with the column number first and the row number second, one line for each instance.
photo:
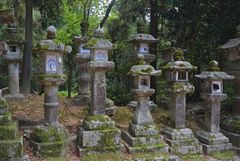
column 11, row 144
column 230, row 127
column 142, row 134
column 211, row 138
column 180, row 138
column 50, row 139
column 141, row 43
column 98, row 133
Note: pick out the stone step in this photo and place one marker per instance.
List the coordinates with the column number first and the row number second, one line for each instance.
column 11, row 148
column 212, row 138
column 216, row 148
column 98, row 122
column 8, row 132
column 160, row 148
column 141, row 141
column 99, row 149
column 178, row 143
column 186, row 150
column 177, row 134
column 5, row 119
column 234, row 138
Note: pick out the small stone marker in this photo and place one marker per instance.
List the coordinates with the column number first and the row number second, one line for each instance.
column 142, row 135
column 98, row 132
column 180, row 138
column 212, row 139
column 51, row 138
column 141, row 44
column 230, row 126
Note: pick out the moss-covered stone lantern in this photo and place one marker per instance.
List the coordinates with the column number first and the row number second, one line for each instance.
column 142, row 134
column 98, row 132
column 141, row 46
column 13, row 58
column 180, row 138
column 230, row 127
column 212, row 92
column 50, row 139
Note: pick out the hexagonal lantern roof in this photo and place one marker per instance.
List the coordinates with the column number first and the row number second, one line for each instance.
column 142, row 38
column 97, row 42
column 214, row 75
column 179, row 65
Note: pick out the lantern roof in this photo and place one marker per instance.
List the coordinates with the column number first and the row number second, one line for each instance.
column 214, row 75
column 140, row 37
column 232, row 43
column 179, row 65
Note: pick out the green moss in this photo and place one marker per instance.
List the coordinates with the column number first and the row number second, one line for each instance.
column 194, row 157
column 3, row 103
column 8, row 132
column 104, row 157
column 49, row 134
column 213, row 66
column 223, row 155
column 178, row 55
column 234, row 122
column 92, row 42
column 102, row 118
column 108, row 137
column 146, row 147
column 5, row 119
column 55, row 159
column 123, row 115
column 11, row 148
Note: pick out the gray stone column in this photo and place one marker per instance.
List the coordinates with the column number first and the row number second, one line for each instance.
column 51, row 104
column 84, row 79
column 212, row 116
column 236, row 107
column 13, row 76
column 98, row 92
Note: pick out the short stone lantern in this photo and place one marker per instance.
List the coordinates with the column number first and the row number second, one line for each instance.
column 180, row 138
column 50, row 139
column 98, row 132
column 212, row 92
column 141, row 46
column 230, row 126
column 142, row 134
column 13, row 58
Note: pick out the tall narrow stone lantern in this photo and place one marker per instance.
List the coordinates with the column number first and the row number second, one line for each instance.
column 98, row 132
column 50, row 139
column 13, row 57
column 141, row 44
column 212, row 92
column 142, row 134
column 82, row 57
column 230, row 127
column 180, row 138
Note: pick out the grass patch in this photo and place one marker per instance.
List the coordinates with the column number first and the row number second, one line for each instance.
column 103, row 157
column 55, row 159
column 123, row 116
column 224, row 155
column 194, row 157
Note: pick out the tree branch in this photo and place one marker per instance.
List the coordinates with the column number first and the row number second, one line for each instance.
column 107, row 13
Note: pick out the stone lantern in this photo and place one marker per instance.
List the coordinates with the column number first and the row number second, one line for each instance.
column 230, row 127
column 212, row 92
column 142, row 134
column 141, row 44
column 98, row 132
column 180, row 138
column 13, row 57
column 50, row 139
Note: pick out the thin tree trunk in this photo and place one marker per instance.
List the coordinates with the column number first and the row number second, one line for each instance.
column 107, row 13
column 27, row 56
column 154, row 33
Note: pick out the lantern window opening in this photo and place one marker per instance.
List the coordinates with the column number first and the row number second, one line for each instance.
column 182, row 75
column 51, row 64
column 144, row 48
column 216, row 87
column 13, row 48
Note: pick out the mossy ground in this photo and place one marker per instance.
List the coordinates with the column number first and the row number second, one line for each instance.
column 224, row 155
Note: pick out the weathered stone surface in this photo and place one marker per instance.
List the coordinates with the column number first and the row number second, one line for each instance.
column 133, row 104
column 24, row 158
column 49, row 140
column 8, row 132
column 11, row 148
column 231, row 125
column 143, row 130
column 6, row 119
column 98, row 122
column 234, row 138
column 181, row 141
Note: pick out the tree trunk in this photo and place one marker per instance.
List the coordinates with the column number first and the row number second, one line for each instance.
column 27, row 56
column 154, row 33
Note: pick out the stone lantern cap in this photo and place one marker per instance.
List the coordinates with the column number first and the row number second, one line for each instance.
column 7, row 16
column 232, row 43
column 143, row 38
column 97, row 42
column 179, row 65
column 214, row 75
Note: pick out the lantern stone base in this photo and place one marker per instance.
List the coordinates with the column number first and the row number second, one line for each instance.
column 49, row 141
column 213, row 142
column 181, row 141
column 144, row 138
column 81, row 100
column 151, row 104
column 14, row 96
column 231, row 128
column 98, row 134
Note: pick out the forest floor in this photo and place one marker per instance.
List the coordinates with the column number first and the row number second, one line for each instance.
column 29, row 113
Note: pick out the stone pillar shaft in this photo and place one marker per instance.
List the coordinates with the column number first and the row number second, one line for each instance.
column 84, row 78
column 236, row 108
column 13, row 76
column 212, row 116
column 51, row 104
column 98, row 92
column 178, row 110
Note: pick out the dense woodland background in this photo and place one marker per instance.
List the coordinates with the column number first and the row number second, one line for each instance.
column 198, row 27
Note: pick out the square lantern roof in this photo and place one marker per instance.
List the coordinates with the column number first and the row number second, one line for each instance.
column 179, row 66
column 232, row 43
column 143, row 38
column 98, row 43
column 214, row 75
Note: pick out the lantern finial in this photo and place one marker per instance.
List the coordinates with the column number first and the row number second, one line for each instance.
column 51, row 32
